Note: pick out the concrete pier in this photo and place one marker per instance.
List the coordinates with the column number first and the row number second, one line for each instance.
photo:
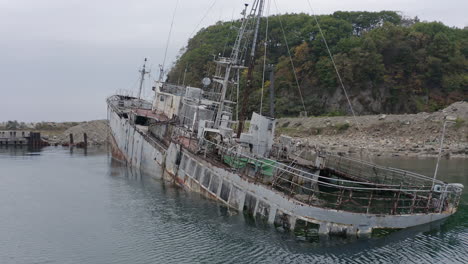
column 21, row 138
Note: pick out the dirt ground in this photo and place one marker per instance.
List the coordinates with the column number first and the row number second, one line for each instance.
column 407, row 135
column 97, row 132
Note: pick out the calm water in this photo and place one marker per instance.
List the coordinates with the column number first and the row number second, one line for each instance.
column 63, row 207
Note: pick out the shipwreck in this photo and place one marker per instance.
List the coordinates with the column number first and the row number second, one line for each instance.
column 189, row 134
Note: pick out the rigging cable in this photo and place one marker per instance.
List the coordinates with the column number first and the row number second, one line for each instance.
column 290, row 57
column 203, row 18
column 265, row 54
column 194, row 31
column 230, row 33
column 167, row 43
column 358, row 125
column 336, row 68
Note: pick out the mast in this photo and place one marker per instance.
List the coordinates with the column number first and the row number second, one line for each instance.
column 163, row 65
column 245, row 95
column 225, row 65
column 142, row 78
column 229, row 63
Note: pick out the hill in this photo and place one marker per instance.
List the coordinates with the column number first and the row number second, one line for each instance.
column 389, row 64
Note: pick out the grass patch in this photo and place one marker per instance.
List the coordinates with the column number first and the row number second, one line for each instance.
column 290, row 131
column 459, row 123
column 334, row 113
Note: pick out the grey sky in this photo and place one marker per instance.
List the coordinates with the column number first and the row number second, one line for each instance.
column 60, row 59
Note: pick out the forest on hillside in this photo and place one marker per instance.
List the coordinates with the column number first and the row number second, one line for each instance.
column 388, row 63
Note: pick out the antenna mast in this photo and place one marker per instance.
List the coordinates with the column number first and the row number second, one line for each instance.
column 225, row 65
column 142, row 78
column 161, row 67
column 257, row 12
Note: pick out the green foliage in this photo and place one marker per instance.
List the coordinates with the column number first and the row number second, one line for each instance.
column 335, row 113
column 459, row 123
column 398, row 61
column 455, row 82
column 12, row 125
column 366, row 21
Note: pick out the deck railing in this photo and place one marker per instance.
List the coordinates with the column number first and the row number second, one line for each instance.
column 366, row 171
column 351, row 185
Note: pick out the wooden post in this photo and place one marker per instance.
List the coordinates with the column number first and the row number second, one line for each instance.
column 71, row 139
column 85, row 138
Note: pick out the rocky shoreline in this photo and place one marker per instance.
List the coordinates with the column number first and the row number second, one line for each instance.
column 97, row 132
column 383, row 135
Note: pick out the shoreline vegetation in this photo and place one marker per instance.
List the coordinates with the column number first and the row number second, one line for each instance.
column 388, row 63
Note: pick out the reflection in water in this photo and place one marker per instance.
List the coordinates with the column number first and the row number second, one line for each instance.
column 63, row 208
column 19, row 150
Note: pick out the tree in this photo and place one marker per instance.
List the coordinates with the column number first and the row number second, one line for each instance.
column 12, row 125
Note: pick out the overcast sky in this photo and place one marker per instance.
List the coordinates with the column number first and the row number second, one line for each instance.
column 60, row 59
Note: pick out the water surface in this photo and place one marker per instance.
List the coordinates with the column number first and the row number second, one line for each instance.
column 58, row 206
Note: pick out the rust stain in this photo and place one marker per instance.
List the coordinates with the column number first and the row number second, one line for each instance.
column 115, row 151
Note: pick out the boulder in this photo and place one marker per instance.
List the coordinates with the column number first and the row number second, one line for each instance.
column 451, row 118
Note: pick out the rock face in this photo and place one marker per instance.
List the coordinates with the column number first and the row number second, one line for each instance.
column 97, row 132
column 413, row 134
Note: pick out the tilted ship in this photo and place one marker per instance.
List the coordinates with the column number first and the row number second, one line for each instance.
column 188, row 134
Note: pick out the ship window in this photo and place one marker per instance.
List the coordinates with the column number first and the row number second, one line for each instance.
column 182, row 164
column 214, row 184
column 191, row 169
column 161, row 98
column 206, row 180
column 198, row 172
column 186, row 165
